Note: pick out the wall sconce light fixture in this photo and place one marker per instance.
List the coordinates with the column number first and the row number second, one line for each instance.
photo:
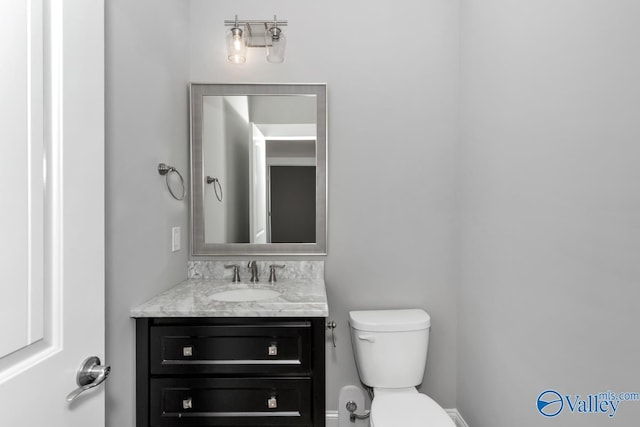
column 255, row 33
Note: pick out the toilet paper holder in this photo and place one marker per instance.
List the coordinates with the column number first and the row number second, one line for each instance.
column 332, row 326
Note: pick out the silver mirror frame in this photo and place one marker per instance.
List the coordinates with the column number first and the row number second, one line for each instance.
column 198, row 245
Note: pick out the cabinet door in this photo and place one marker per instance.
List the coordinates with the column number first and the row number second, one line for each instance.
column 230, row 402
column 269, row 349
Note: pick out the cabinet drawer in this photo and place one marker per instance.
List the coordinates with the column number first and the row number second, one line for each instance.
column 275, row 348
column 230, row 402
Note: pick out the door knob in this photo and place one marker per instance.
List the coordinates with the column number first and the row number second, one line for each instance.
column 90, row 375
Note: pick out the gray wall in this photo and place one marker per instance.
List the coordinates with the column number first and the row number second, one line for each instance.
column 282, row 109
column 550, row 210
column 214, row 165
column 540, row 286
column 237, row 137
column 146, row 123
column 392, row 130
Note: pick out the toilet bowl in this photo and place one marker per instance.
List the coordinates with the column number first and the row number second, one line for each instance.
column 394, row 408
column 390, row 348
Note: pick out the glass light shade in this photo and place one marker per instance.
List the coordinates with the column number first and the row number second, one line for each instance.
column 276, row 44
column 236, row 46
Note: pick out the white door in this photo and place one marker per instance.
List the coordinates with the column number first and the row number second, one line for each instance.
column 258, row 190
column 51, row 209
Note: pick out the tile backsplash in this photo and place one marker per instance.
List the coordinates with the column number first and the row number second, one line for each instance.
column 311, row 270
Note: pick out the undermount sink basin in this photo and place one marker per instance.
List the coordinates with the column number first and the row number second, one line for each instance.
column 245, row 295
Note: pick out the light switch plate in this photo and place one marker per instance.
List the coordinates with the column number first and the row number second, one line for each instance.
column 175, row 239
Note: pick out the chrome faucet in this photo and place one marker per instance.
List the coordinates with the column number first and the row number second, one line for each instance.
column 253, row 266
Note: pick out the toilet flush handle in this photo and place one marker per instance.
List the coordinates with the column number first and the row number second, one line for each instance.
column 369, row 338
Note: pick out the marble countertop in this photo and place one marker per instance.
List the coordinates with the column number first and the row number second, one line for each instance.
column 195, row 298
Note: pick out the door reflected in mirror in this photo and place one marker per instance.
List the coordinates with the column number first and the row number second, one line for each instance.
column 258, row 169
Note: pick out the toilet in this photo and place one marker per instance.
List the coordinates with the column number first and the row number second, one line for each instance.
column 390, row 348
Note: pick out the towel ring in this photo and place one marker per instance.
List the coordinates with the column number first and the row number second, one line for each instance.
column 216, row 186
column 167, row 170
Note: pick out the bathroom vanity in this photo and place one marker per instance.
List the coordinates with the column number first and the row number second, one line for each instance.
column 217, row 351
column 214, row 353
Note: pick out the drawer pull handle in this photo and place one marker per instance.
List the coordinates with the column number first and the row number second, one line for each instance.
column 272, row 402
column 187, row 403
column 187, row 351
column 273, row 349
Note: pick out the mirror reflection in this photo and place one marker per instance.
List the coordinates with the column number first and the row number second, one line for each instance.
column 259, row 161
column 258, row 169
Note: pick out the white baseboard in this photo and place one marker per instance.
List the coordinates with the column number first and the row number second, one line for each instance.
column 457, row 418
column 332, row 419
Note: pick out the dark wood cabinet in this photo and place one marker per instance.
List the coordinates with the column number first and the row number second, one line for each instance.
column 230, row 372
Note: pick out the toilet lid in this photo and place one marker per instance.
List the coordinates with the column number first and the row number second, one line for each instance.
column 413, row 410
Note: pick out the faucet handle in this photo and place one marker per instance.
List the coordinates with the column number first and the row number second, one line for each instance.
column 272, row 272
column 236, row 272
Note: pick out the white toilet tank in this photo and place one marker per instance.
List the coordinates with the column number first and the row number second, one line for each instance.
column 390, row 346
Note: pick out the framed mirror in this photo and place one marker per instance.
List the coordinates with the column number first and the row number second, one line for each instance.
column 258, row 169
